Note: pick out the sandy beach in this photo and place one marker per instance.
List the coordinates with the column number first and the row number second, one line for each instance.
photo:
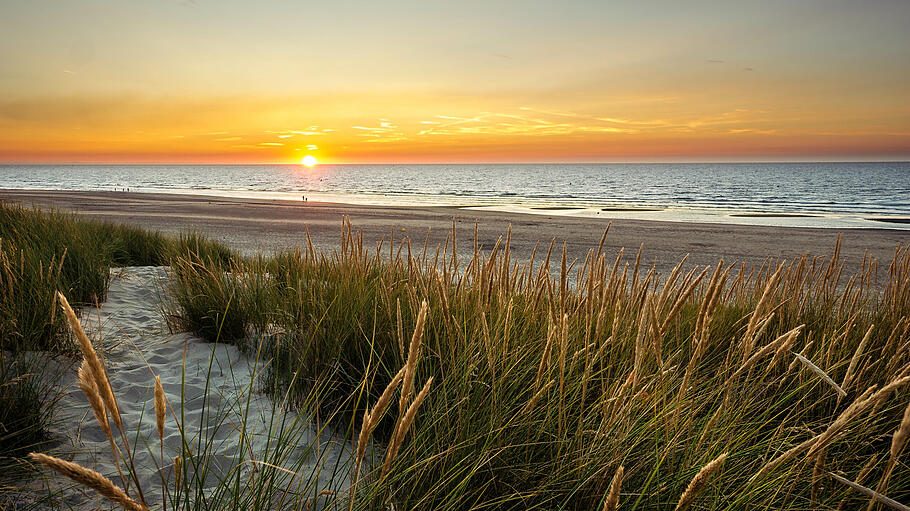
column 253, row 225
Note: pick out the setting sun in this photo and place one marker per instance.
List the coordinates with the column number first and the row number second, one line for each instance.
column 309, row 160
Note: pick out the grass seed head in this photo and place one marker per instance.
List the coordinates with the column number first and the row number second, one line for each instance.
column 91, row 479
column 699, row 481
column 160, row 407
column 611, row 503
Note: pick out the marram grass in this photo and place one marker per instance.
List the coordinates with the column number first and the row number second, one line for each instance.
column 594, row 385
column 548, row 376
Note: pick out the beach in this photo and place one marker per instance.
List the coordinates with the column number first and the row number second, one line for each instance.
column 258, row 225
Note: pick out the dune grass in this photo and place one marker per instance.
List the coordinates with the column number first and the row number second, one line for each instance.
column 43, row 252
column 550, row 376
column 558, row 384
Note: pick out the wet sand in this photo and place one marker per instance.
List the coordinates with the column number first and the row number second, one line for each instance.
column 253, row 225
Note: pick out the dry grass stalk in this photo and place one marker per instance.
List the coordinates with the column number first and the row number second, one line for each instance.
column 399, row 326
column 820, row 441
column 898, row 440
column 871, row 493
column 87, row 385
column 699, row 481
column 639, row 340
column 545, row 357
column 784, row 338
column 536, row 397
column 749, row 337
column 413, row 355
column 90, row 478
column 94, row 366
column 880, row 396
column 611, row 503
column 177, row 474
column 401, row 429
column 860, row 405
column 680, row 301
column 900, row 436
column 410, row 369
column 705, row 302
column 817, row 473
column 855, row 359
column 160, row 407
column 563, row 347
column 370, row 421
column 94, row 363
column 90, row 389
column 783, row 348
column 821, row 374
column 372, row 418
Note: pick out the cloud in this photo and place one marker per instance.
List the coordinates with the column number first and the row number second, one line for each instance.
column 752, row 130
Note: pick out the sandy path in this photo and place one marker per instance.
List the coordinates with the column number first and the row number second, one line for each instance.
column 215, row 389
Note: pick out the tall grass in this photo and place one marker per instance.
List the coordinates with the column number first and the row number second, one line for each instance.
column 549, row 376
column 43, row 252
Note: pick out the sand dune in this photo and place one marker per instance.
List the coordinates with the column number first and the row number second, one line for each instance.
column 208, row 385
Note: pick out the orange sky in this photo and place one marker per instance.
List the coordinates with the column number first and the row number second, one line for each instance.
column 348, row 82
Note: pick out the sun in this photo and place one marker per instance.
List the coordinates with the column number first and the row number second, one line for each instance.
column 309, row 160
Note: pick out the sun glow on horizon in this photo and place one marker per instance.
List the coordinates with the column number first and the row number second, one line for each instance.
column 531, row 82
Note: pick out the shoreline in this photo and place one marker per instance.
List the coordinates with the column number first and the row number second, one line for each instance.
column 756, row 215
column 265, row 225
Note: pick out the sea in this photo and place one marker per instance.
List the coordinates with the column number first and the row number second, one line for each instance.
column 824, row 195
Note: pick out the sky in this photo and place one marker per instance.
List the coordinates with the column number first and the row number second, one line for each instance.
column 227, row 81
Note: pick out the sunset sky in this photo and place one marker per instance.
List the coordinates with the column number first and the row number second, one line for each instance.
column 460, row 81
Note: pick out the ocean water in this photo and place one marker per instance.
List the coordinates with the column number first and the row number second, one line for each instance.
column 805, row 194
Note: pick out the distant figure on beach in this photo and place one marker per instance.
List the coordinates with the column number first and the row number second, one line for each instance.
column 304, row 198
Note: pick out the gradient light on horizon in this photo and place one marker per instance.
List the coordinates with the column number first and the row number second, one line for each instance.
column 422, row 82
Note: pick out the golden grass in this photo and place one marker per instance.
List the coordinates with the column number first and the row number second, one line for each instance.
column 611, row 503
column 548, row 372
column 91, row 479
column 697, row 484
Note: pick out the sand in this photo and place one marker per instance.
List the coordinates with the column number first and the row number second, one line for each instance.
column 209, row 396
column 253, row 225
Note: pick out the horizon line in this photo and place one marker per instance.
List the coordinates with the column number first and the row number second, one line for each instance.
column 644, row 162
